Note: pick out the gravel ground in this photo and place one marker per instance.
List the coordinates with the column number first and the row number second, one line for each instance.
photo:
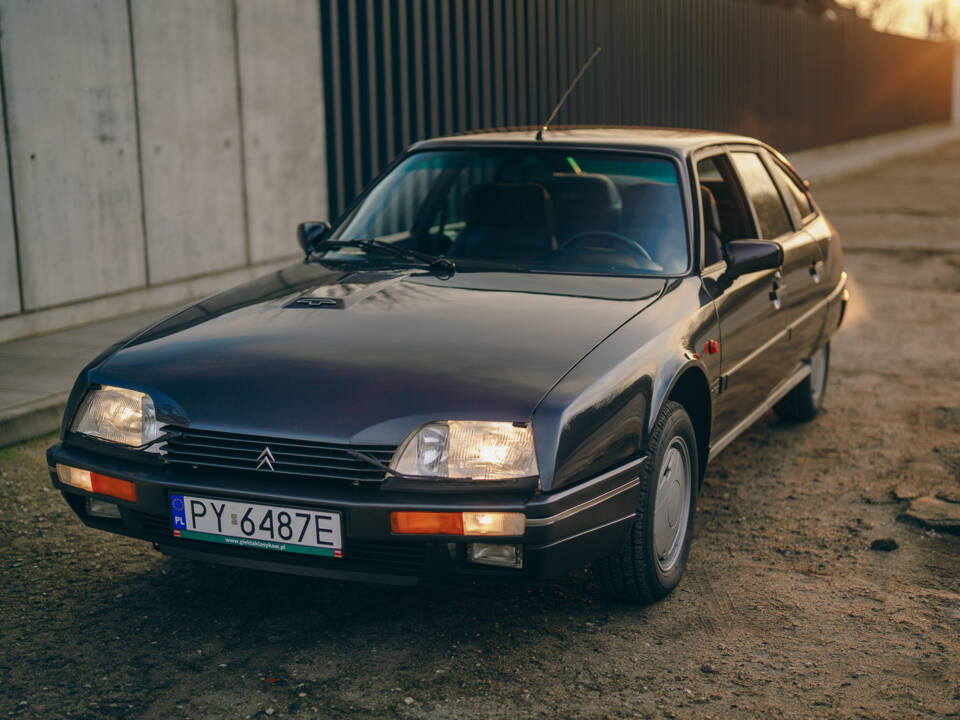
column 786, row 611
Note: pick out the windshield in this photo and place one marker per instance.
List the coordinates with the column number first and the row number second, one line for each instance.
column 526, row 209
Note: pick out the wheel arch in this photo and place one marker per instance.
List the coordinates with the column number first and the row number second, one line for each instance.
column 691, row 389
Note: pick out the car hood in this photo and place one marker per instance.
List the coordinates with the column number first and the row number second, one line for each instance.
column 315, row 352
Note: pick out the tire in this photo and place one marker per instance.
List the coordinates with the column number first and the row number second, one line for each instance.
column 638, row 572
column 804, row 402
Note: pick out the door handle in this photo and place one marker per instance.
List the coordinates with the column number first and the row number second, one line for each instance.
column 816, row 268
column 777, row 287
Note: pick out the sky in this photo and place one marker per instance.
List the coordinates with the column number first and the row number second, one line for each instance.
column 906, row 16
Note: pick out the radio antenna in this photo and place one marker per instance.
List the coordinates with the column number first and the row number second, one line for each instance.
column 563, row 98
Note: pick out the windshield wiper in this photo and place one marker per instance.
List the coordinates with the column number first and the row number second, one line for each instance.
column 435, row 263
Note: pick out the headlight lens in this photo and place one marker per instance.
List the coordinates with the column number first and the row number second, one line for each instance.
column 469, row 450
column 118, row 415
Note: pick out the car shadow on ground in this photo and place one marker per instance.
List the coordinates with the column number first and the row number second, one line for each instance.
column 202, row 590
column 205, row 601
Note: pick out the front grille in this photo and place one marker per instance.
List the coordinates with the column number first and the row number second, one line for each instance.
column 232, row 451
column 399, row 557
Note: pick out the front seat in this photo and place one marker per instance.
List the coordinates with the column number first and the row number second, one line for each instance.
column 584, row 203
column 653, row 216
column 506, row 222
column 713, row 249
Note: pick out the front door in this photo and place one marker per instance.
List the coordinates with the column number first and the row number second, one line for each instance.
column 751, row 337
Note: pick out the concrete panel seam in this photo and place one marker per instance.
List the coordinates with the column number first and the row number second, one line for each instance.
column 136, row 124
column 13, row 192
column 242, row 138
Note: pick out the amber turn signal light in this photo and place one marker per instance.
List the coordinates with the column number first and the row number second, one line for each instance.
column 97, row 483
column 426, row 523
column 455, row 523
column 114, row 487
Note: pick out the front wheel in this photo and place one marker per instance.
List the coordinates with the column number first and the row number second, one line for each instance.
column 806, row 400
column 651, row 562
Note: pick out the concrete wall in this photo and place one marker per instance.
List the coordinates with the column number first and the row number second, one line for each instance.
column 157, row 150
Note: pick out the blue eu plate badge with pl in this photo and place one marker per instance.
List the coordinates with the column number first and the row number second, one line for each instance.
column 178, row 514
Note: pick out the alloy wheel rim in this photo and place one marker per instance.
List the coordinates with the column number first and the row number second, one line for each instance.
column 818, row 374
column 672, row 504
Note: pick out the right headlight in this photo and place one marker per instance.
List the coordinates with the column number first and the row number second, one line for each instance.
column 118, row 415
column 476, row 450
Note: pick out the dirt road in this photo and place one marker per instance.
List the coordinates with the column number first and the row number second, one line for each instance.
column 785, row 611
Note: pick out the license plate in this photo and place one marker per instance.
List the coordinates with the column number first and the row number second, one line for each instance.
column 265, row 527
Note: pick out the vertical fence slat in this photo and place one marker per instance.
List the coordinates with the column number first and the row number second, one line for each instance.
column 509, row 62
column 446, row 30
column 433, row 68
column 520, row 53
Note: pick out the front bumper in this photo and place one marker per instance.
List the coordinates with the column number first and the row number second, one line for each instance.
column 565, row 529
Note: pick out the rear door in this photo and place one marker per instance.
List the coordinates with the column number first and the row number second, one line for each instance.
column 804, row 272
column 751, row 328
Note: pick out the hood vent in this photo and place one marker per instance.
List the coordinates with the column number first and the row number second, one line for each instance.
column 350, row 290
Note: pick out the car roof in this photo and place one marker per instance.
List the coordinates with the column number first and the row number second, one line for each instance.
column 676, row 141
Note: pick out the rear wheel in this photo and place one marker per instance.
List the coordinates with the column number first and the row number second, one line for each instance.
column 806, row 400
column 651, row 561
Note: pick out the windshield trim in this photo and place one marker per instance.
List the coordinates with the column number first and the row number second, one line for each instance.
column 425, row 146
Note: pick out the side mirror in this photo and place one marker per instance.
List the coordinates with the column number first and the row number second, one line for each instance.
column 747, row 256
column 310, row 233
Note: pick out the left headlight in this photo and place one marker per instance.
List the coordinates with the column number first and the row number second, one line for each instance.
column 118, row 415
column 476, row 450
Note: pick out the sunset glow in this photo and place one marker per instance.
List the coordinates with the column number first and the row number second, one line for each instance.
column 907, row 17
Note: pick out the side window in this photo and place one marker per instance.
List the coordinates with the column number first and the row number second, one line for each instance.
column 797, row 193
column 724, row 213
column 760, row 188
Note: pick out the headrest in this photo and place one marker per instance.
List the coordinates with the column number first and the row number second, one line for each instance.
column 650, row 198
column 587, row 193
column 711, row 218
column 507, row 205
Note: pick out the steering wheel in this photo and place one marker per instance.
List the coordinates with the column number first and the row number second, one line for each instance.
column 631, row 244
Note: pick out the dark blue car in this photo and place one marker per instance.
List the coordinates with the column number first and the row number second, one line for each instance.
column 510, row 357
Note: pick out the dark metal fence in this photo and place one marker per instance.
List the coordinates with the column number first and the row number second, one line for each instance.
column 396, row 71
